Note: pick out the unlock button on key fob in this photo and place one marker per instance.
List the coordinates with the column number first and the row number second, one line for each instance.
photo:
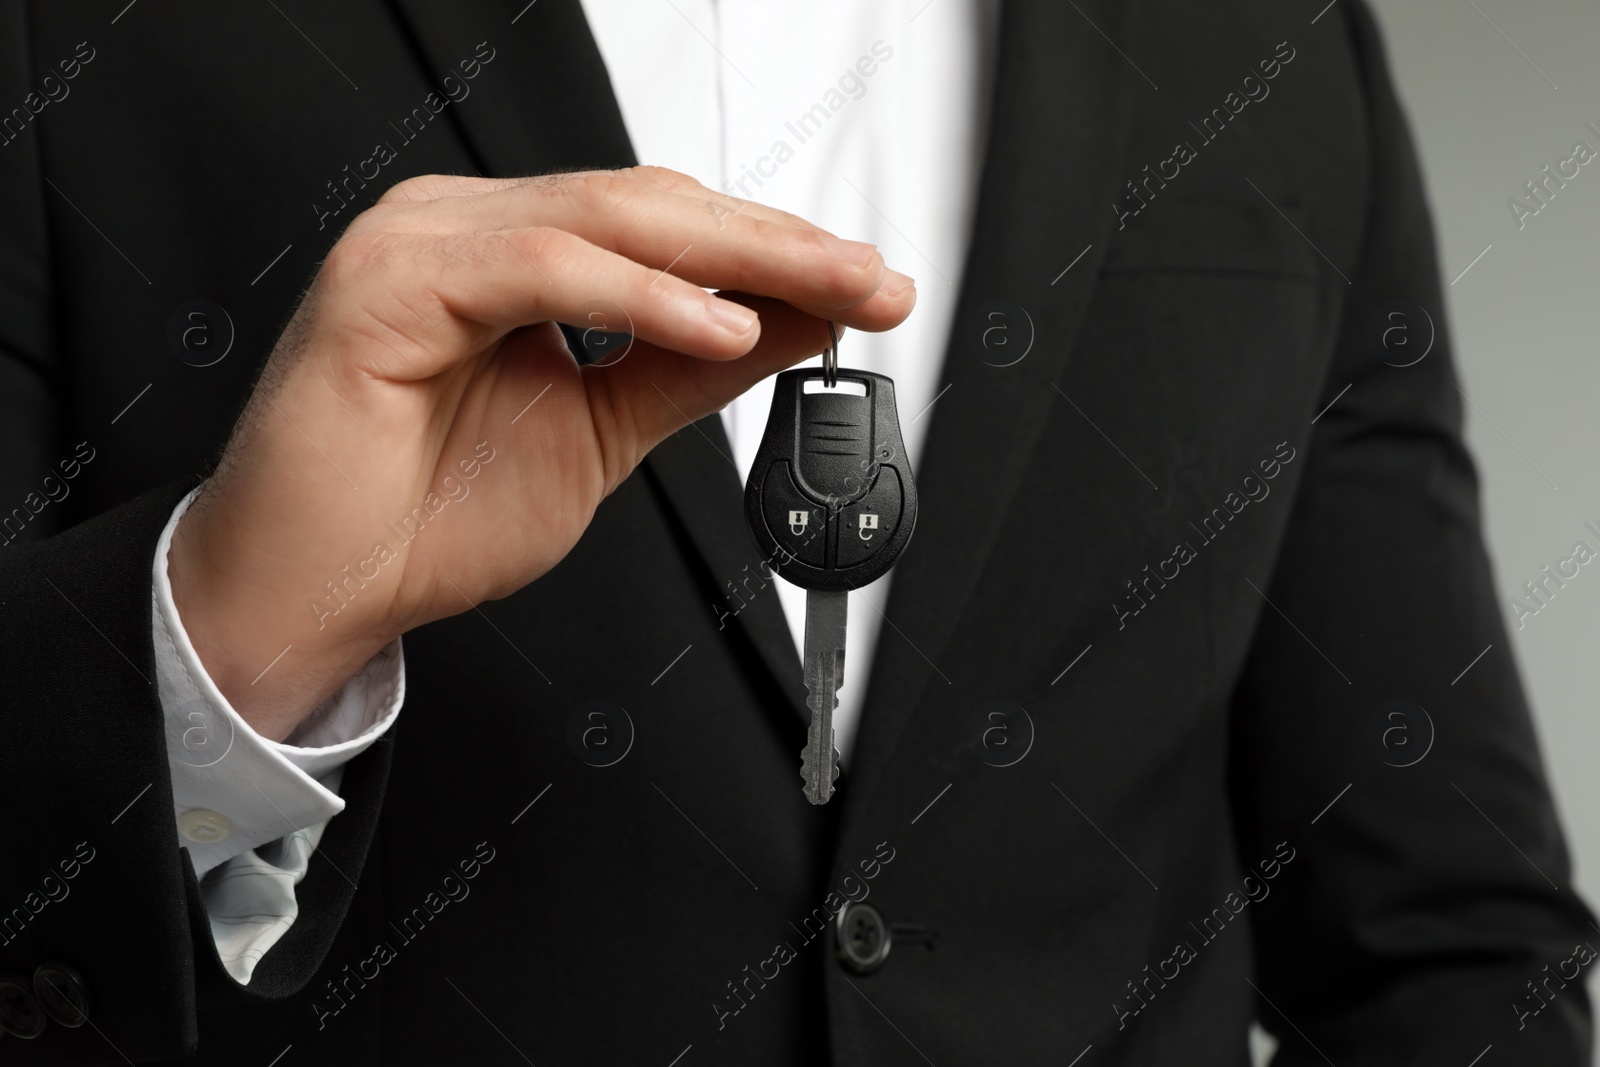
column 868, row 524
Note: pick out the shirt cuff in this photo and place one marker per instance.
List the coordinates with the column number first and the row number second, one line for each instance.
column 250, row 899
column 232, row 789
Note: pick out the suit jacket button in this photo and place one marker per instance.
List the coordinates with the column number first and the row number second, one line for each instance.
column 20, row 1013
column 63, row 993
column 862, row 938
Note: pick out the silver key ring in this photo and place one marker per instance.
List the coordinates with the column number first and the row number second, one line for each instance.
column 830, row 358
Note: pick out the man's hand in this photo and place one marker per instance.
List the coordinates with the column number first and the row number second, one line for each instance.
column 389, row 469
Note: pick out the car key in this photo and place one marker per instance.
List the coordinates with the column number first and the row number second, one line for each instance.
column 831, row 503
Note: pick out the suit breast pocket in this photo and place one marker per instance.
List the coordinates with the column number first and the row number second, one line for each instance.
column 1211, row 325
column 1203, row 357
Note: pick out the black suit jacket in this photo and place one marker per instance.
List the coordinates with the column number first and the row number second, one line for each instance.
column 1201, row 535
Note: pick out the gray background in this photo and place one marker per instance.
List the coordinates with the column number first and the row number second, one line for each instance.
column 1486, row 118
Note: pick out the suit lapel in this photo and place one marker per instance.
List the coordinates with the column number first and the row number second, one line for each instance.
column 551, row 107
column 544, row 102
column 1057, row 136
column 694, row 472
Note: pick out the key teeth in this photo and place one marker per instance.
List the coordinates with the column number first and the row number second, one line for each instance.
column 805, row 775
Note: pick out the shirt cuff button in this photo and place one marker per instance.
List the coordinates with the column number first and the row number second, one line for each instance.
column 204, row 827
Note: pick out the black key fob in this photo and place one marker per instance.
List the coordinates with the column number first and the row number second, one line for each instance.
column 830, row 499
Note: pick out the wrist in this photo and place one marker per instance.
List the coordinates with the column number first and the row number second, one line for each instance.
column 254, row 629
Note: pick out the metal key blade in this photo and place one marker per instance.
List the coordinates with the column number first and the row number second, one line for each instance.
column 824, row 673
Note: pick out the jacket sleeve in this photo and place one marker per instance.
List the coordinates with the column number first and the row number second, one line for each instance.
column 1431, row 911
column 91, row 872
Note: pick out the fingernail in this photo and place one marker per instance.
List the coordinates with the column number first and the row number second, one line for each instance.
column 856, row 252
column 735, row 319
column 896, row 284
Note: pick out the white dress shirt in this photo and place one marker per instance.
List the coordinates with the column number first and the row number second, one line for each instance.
column 867, row 119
